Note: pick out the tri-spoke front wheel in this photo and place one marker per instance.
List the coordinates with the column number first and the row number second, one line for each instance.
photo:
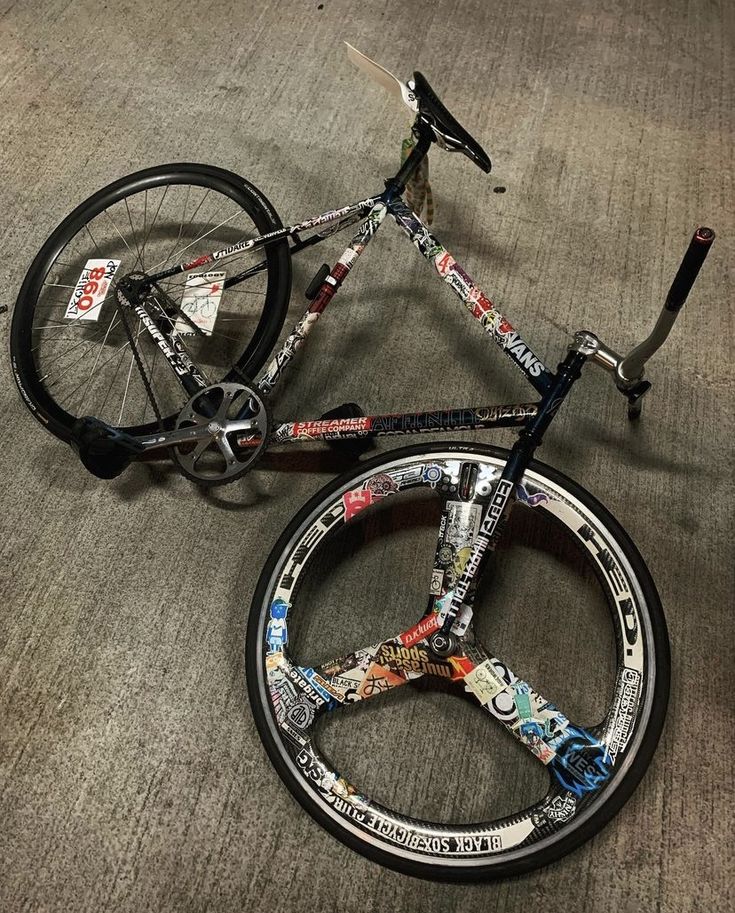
column 512, row 750
column 72, row 346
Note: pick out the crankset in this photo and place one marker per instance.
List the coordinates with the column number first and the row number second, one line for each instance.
column 232, row 426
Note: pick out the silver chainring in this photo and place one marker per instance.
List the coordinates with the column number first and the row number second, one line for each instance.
column 218, row 459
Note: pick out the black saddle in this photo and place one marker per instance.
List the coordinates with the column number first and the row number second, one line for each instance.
column 448, row 131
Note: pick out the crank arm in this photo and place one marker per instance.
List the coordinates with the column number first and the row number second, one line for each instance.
column 161, row 439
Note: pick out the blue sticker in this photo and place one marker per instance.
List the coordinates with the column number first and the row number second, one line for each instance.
column 277, row 633
column 532, row 500
column 581, row 763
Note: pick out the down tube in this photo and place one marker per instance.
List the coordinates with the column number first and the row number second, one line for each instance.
column 465, row 419
column 474, row 299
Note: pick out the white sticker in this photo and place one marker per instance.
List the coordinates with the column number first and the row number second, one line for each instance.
column 462, row 621
column 90, row 291
column 200, row 302
column 484, row 682
column 437, row 580
column 463, row 523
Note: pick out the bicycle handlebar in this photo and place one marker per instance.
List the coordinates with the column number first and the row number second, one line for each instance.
column 690, row 266
column 628, row 369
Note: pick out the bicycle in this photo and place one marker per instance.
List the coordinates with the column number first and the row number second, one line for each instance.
column 225, row 426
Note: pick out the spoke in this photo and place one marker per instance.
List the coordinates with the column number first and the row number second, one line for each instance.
column 112, row 222
column 138, row 259
column 94, row 337
column 150, row 368
column 577, row 760
column 206, row 234
column 145, row 226
column 82, row 342
column 117, row 352
column 112, row 383
column 155, row 217
column 127, row 386
column 96, row 245
column 50, row 326
column 191, row 219
column 178, row 237
column 97, row 358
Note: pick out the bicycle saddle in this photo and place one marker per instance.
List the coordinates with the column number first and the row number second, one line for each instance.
column 423, row 100
column 450, row 134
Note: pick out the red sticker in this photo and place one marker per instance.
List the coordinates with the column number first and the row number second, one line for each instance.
column 418, row 632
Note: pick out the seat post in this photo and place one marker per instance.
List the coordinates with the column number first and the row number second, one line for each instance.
column 418, row 153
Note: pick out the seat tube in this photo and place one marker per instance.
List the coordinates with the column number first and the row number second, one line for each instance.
column 328, row 289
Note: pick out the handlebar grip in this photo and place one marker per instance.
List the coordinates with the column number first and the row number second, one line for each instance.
column 690, row 266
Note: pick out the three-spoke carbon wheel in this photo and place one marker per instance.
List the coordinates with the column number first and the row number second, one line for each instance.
column 70, row 349
column 524, row 741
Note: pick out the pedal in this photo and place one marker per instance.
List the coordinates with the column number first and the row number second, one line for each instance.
column 312, row 289
column 104, row 451
column 355, row 447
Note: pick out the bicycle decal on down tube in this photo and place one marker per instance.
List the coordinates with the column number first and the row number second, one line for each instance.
column 474, row 299
column 328, row 289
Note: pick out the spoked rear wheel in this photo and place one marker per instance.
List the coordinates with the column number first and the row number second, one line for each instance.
column 71, row 353
column 469, row 773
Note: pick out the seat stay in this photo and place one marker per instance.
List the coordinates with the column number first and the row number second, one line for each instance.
column 251, row 244
column 477, row 303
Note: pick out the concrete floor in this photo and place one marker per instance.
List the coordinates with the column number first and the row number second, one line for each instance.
column 131, row 775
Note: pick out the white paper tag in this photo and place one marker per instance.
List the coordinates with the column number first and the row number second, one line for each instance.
column 91, row 288
column 200, row 302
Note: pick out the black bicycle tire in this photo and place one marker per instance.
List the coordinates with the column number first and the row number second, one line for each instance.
column 275, row 305
column 612, row 804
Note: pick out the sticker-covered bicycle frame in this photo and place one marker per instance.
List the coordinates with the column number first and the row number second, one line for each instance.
column 373, row 211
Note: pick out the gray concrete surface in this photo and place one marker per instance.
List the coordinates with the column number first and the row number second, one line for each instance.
column 131, row 774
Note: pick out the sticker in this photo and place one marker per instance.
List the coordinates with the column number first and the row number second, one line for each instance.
column 432, row 474
column 381, row 485
column 462, row 665
column 325, row 688
column 91, row 288
column 414, row 661
column 463, row 523
column 355, row 501
column 377, row 680
column 532, row 500
column 462, row 621
column 561, row 808
column 522, row 700
column 437, row 581
column 200, row 302
column 626, row 705
column 418, row 632
column 277, row 632
column 539, row 748
column 348, row 258
column 484, row 682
